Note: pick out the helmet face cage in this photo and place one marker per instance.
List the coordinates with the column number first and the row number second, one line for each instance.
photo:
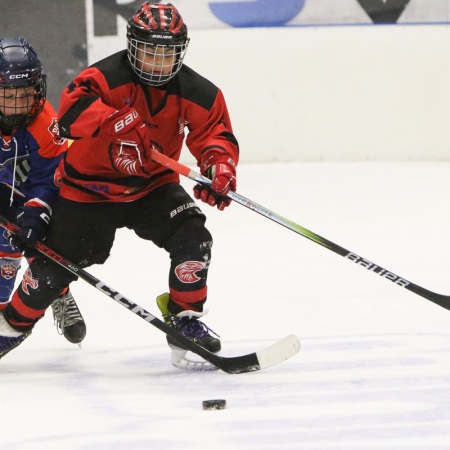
column 157, row 43
column 23, row 86
column 156, row 64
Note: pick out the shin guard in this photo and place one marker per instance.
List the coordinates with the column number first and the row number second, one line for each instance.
column 9, row 266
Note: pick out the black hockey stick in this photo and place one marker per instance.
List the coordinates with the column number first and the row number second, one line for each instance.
column 270, row 356
column 439, row 299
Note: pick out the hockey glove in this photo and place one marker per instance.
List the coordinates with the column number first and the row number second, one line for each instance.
column 222, row 171
column 33, row 220
column 130, row 149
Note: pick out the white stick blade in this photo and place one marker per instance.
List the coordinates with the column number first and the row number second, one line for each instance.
column 279, row 352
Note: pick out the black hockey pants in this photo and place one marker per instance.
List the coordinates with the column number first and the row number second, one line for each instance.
column 84, row 234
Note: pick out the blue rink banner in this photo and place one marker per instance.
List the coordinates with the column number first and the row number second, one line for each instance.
column 276, row 13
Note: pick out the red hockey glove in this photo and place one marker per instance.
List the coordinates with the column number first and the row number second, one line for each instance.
column 126, row 124
column 222, row 171
column 130, row 152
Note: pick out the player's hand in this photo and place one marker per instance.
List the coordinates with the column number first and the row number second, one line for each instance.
column 33, row 219
column 222, row 171
column 126, row 124
column 131, row 146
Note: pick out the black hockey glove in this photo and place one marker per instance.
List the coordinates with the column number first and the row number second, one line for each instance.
column 33, row 220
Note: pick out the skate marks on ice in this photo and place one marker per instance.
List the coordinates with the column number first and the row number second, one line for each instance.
column 374, row 392
column 362, row 392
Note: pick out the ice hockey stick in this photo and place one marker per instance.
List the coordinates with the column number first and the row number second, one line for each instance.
column 438, row 299
column 267, row 357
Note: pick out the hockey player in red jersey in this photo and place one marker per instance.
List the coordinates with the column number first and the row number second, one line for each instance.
column 30, row 151
column 116, row 111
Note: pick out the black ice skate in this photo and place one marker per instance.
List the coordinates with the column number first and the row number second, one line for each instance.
column 68, row 319
column 189, row 325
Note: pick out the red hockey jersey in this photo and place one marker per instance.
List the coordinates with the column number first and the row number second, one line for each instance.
column 187, row 102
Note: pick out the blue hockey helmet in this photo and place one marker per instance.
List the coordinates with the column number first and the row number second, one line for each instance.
column 20, row 68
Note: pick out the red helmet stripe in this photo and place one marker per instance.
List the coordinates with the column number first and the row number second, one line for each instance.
column 162, row 18
column 176, row 23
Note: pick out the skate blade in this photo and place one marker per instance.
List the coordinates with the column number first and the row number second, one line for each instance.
column 183, row 359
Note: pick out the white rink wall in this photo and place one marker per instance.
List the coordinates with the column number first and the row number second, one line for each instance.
column 332, row 93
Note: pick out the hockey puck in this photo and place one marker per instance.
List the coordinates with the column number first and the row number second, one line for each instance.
column 214, row 404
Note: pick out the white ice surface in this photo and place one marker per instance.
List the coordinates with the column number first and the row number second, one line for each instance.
column 374, row 368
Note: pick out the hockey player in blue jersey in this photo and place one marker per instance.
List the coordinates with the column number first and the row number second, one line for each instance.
column 30, row 151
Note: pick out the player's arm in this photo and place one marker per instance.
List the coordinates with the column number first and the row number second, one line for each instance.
column 82, row 110
column 83, row 113
column 43, row 162
column 212, row 142
column 46, row 149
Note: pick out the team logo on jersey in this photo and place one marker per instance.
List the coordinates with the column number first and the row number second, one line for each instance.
column 54, row 131
column 6, row 147
column 186, row 272
column 9, row 270
column 28, row 280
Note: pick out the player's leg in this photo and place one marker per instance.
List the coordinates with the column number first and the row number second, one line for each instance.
column 9, row 266
column 67, row 316
column 10, row 257
column 41, row 283
column 173, row 221
column 80, row 233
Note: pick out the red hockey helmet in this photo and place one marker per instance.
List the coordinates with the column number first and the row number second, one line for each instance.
column 157, row 42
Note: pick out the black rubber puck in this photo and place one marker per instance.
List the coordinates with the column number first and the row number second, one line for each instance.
column 214, row 404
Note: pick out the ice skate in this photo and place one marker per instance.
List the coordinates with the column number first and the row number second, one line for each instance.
column 68, row 319
column 189, row 325
column 9, row 337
